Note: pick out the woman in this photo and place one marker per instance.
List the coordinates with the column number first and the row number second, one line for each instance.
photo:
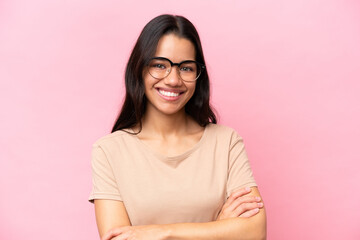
column 167, row 170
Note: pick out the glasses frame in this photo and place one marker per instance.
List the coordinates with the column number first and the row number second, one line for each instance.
column 202, row 67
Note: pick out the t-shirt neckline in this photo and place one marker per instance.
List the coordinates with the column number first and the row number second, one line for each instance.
column 172, row 158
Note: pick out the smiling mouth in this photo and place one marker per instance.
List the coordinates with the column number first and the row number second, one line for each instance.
column 169, row 93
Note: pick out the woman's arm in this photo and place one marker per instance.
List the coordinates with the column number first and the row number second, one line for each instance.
column 110, row 214
column 231, row 228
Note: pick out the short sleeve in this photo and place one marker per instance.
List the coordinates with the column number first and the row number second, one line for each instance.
column 103, row 179
column 239, row 173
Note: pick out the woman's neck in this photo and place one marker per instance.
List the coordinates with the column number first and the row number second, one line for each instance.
column 159, row 124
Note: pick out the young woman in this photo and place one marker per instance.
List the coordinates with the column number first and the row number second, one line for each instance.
column 167, row 170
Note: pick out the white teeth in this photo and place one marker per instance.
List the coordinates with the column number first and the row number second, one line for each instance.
column 169, row 94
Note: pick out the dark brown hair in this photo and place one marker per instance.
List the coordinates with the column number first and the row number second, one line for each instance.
column 134, row 106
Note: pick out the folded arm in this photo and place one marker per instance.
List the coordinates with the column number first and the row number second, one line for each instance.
column 232, row 228
column 113, row 223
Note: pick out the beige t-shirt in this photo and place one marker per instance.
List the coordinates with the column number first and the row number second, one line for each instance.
column 156, row 189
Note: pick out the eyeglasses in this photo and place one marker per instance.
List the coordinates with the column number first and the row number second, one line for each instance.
column 188, row 70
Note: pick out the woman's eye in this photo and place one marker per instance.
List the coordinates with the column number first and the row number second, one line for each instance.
column 160, row 66
column 186, row 69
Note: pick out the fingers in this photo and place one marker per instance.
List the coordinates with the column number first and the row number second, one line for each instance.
column 243, row 200
column 248, row 209
column 112, row 233
column 240, row 204
column 124, row 236
column 250, row 213
column 238, row 193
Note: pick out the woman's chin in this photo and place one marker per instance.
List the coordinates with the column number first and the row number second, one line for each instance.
column 169, row 110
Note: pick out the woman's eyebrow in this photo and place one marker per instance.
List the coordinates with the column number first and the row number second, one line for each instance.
column 191, row 59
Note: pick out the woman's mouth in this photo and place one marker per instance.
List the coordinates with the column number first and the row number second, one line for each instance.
column 168, row 94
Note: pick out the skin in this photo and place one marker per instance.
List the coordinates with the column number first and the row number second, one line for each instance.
column 114, row 224
column 240, row 204
column 176, row 49
column 162, row 115
column 243, row 214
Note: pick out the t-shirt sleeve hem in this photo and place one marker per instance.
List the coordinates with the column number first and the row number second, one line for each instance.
column 107, row 196
column 249, row 184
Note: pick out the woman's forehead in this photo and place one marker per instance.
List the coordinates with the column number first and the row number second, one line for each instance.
column 175, row 48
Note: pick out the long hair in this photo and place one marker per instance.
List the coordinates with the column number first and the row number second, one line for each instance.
column 134, row 106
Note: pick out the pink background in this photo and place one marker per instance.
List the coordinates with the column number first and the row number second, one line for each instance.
column 285, row 74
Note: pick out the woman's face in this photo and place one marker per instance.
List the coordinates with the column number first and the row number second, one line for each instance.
column 170, row 94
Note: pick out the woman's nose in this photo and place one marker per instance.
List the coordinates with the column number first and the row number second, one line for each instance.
column 173, row 79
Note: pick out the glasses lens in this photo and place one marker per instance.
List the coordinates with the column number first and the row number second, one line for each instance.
column 159, row 68
column 189, row 71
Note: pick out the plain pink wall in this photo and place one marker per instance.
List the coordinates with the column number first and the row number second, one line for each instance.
column 285, row 74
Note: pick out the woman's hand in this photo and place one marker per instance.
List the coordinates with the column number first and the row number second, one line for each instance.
column 240, row 204
column 145, row 232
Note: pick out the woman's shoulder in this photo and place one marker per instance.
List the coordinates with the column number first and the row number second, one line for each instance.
column 114, row 137
column 224, row 135
column 222, row 130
